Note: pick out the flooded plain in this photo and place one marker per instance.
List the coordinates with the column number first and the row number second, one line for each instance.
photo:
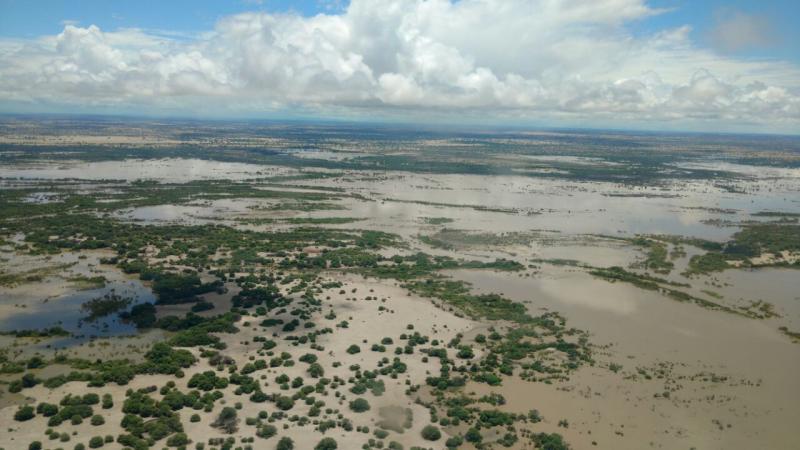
column 668, row 374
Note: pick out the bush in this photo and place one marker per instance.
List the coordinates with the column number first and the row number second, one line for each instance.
column 91, row 399
column 258, row 397
column 552, row 441
column 316, row 370
column 227, row 420
column 35, row 445
column 178, row 440
column 465, row 352
column 454, row 442
column 284, row 403
column 47, row 409
column 266, row 431
column 207, row 381
column 286, row 443
column 97, row 420
column 473, row 435
column 96, row 442
column 308, row 358
column 24, row 413
column 327, row 444
column 359, row 405
column 353, row 349
column 431, row 433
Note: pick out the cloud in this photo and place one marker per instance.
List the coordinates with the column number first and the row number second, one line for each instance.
column 735, row 31
column 560, row 60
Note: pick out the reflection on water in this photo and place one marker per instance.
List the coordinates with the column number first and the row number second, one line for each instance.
column 172, row 170
column 65, row 310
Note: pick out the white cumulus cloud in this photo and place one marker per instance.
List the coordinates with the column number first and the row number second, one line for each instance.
column 543, row 59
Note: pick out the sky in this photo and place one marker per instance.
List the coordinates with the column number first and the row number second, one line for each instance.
column 693, row 65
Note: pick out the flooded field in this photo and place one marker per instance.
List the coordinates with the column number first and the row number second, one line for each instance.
column 679, row 278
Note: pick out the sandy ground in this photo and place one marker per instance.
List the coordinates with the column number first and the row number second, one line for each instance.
column 367, row 325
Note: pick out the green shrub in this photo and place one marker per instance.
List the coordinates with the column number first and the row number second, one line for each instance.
column 359, row 405
column 96, row 442
column 473, row 435
column 431, row 433
column 286, row 443
column 267, row 431
column 24, row 413
column 326, row 444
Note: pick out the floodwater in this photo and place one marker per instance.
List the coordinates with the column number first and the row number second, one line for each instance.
column 758, row 404
column 171, row 170
column 55, row 301
column 644, row 329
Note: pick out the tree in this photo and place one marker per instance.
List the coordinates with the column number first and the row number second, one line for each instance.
column 327, row 444
column 316, row 370
column 284, row 403
column 24, row 413
column 431, row 433
column 454, row 442
column 359, row 405
column 178, row 440
column 286, row 443
column 473, row 435
column 308, row 358
column 227, row 420
column 266, row 431
column 47, row 409
column 465, row 352
column 552, row 441
column 259, row 397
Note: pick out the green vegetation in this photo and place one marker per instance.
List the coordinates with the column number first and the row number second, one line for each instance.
column 326, row 444
column 359, row 405
column 657, row 255
column 451, row 239
column 431, row 433
column 285, row 443
column 103, row 306
column 227, row 420
column 85, row 283
column 554, row 441
column 437, row 220
column 24, row 413
column 752, row 241
column 666, row 287
column 32, row 275
column 456, row 293
column 795, row 336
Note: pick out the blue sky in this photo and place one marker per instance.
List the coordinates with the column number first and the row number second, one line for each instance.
column 700, row 65
column 703, row 15
column 26, row 18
